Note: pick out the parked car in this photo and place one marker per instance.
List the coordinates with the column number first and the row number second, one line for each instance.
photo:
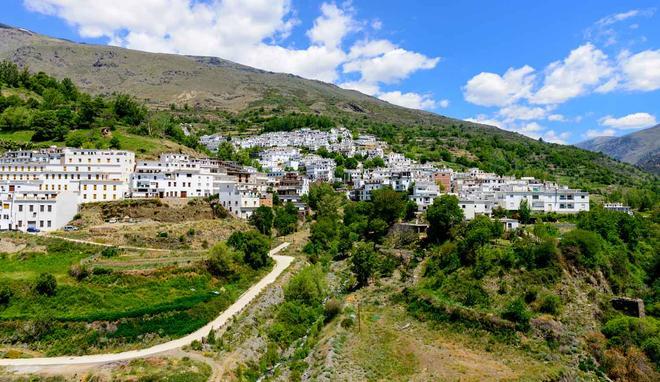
column 70, row 228
column 33, row 229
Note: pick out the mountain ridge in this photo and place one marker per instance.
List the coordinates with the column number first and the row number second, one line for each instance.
column 641, row 148
column 200, row 81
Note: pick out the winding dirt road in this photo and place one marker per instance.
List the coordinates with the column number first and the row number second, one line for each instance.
column 281, row 263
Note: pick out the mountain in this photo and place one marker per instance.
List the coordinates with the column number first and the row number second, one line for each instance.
column 641, row 148
column 203, row 82
column 225, row 95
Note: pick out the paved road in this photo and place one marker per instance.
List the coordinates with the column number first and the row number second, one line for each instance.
column 281, row 263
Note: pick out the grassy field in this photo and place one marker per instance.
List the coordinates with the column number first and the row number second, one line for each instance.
column 129, row 300
column 144, row 147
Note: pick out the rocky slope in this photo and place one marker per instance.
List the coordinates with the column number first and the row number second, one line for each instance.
column 641, row 148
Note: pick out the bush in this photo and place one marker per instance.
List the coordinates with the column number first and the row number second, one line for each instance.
column 550, row 303
column 222, row 262
column 110, row 252
column 46, row 284
column 306, row 287
column 585, row 248
column 78, row 272
column 517, row 312
column 5, row 294
column 332, row 308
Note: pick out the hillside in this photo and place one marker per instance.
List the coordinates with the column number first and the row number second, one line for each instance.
column 205, row 82
column 641, row 148
column 222, row 96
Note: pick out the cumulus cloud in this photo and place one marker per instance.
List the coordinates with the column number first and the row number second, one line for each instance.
column 250, row 32
column 641, row 71
column 531, row 129
column 585, row 66
column 524, row 113
column 630, row 121
column 412, row 100
column 491, row 89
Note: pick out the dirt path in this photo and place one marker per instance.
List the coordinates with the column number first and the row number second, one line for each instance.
column 33, row 364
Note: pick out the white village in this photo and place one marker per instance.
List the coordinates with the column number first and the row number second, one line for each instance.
column 42, row 190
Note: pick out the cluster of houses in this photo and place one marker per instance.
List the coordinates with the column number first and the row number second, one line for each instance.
column 43, row 189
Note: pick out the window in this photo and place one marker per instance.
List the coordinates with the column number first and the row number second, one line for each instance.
column 50, row 208
column 20, row 208
column 31, row 208
column 41, row 208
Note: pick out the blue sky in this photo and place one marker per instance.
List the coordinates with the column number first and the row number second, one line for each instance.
column 561, row 70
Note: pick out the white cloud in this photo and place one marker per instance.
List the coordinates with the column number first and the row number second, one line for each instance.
column 554, row 137
column 606, row 32
column 250, row 32
column 443, row 103
column 524, row 113
column 530, row 129
column 630, row 121
column 411, row 100
column 641, row 71
column 556, row 118
column 386, row 63
column 585, row 67
column 592, row 133
column 490, row 89
column 331, row 27
column 362, row 87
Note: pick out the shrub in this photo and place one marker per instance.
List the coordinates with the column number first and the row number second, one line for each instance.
column 332, row 308
column 5, row 294
column 583, row 247
column 550, row 303
column 306, row 287
column 78, row 272
column 46, row 284
column 221, row 262
column 110, row 252
column 517, row 312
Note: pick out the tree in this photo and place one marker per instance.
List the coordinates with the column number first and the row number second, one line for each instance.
column 221, row 261
column 254, row 245
column 286, row 219
column 389, row 205
column 262, row 219
column 114, row 143
column 316, row 192
column 15, row 118
column 306, row 287
column 411, row 210
column 364, row 262
column 47, row 127
column 583, row 247
column 524, row 212
column 129, row 110
column 46, row 284
column 442, row 216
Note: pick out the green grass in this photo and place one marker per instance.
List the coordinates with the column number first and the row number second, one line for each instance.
column 17, row 136
column 164, row 303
